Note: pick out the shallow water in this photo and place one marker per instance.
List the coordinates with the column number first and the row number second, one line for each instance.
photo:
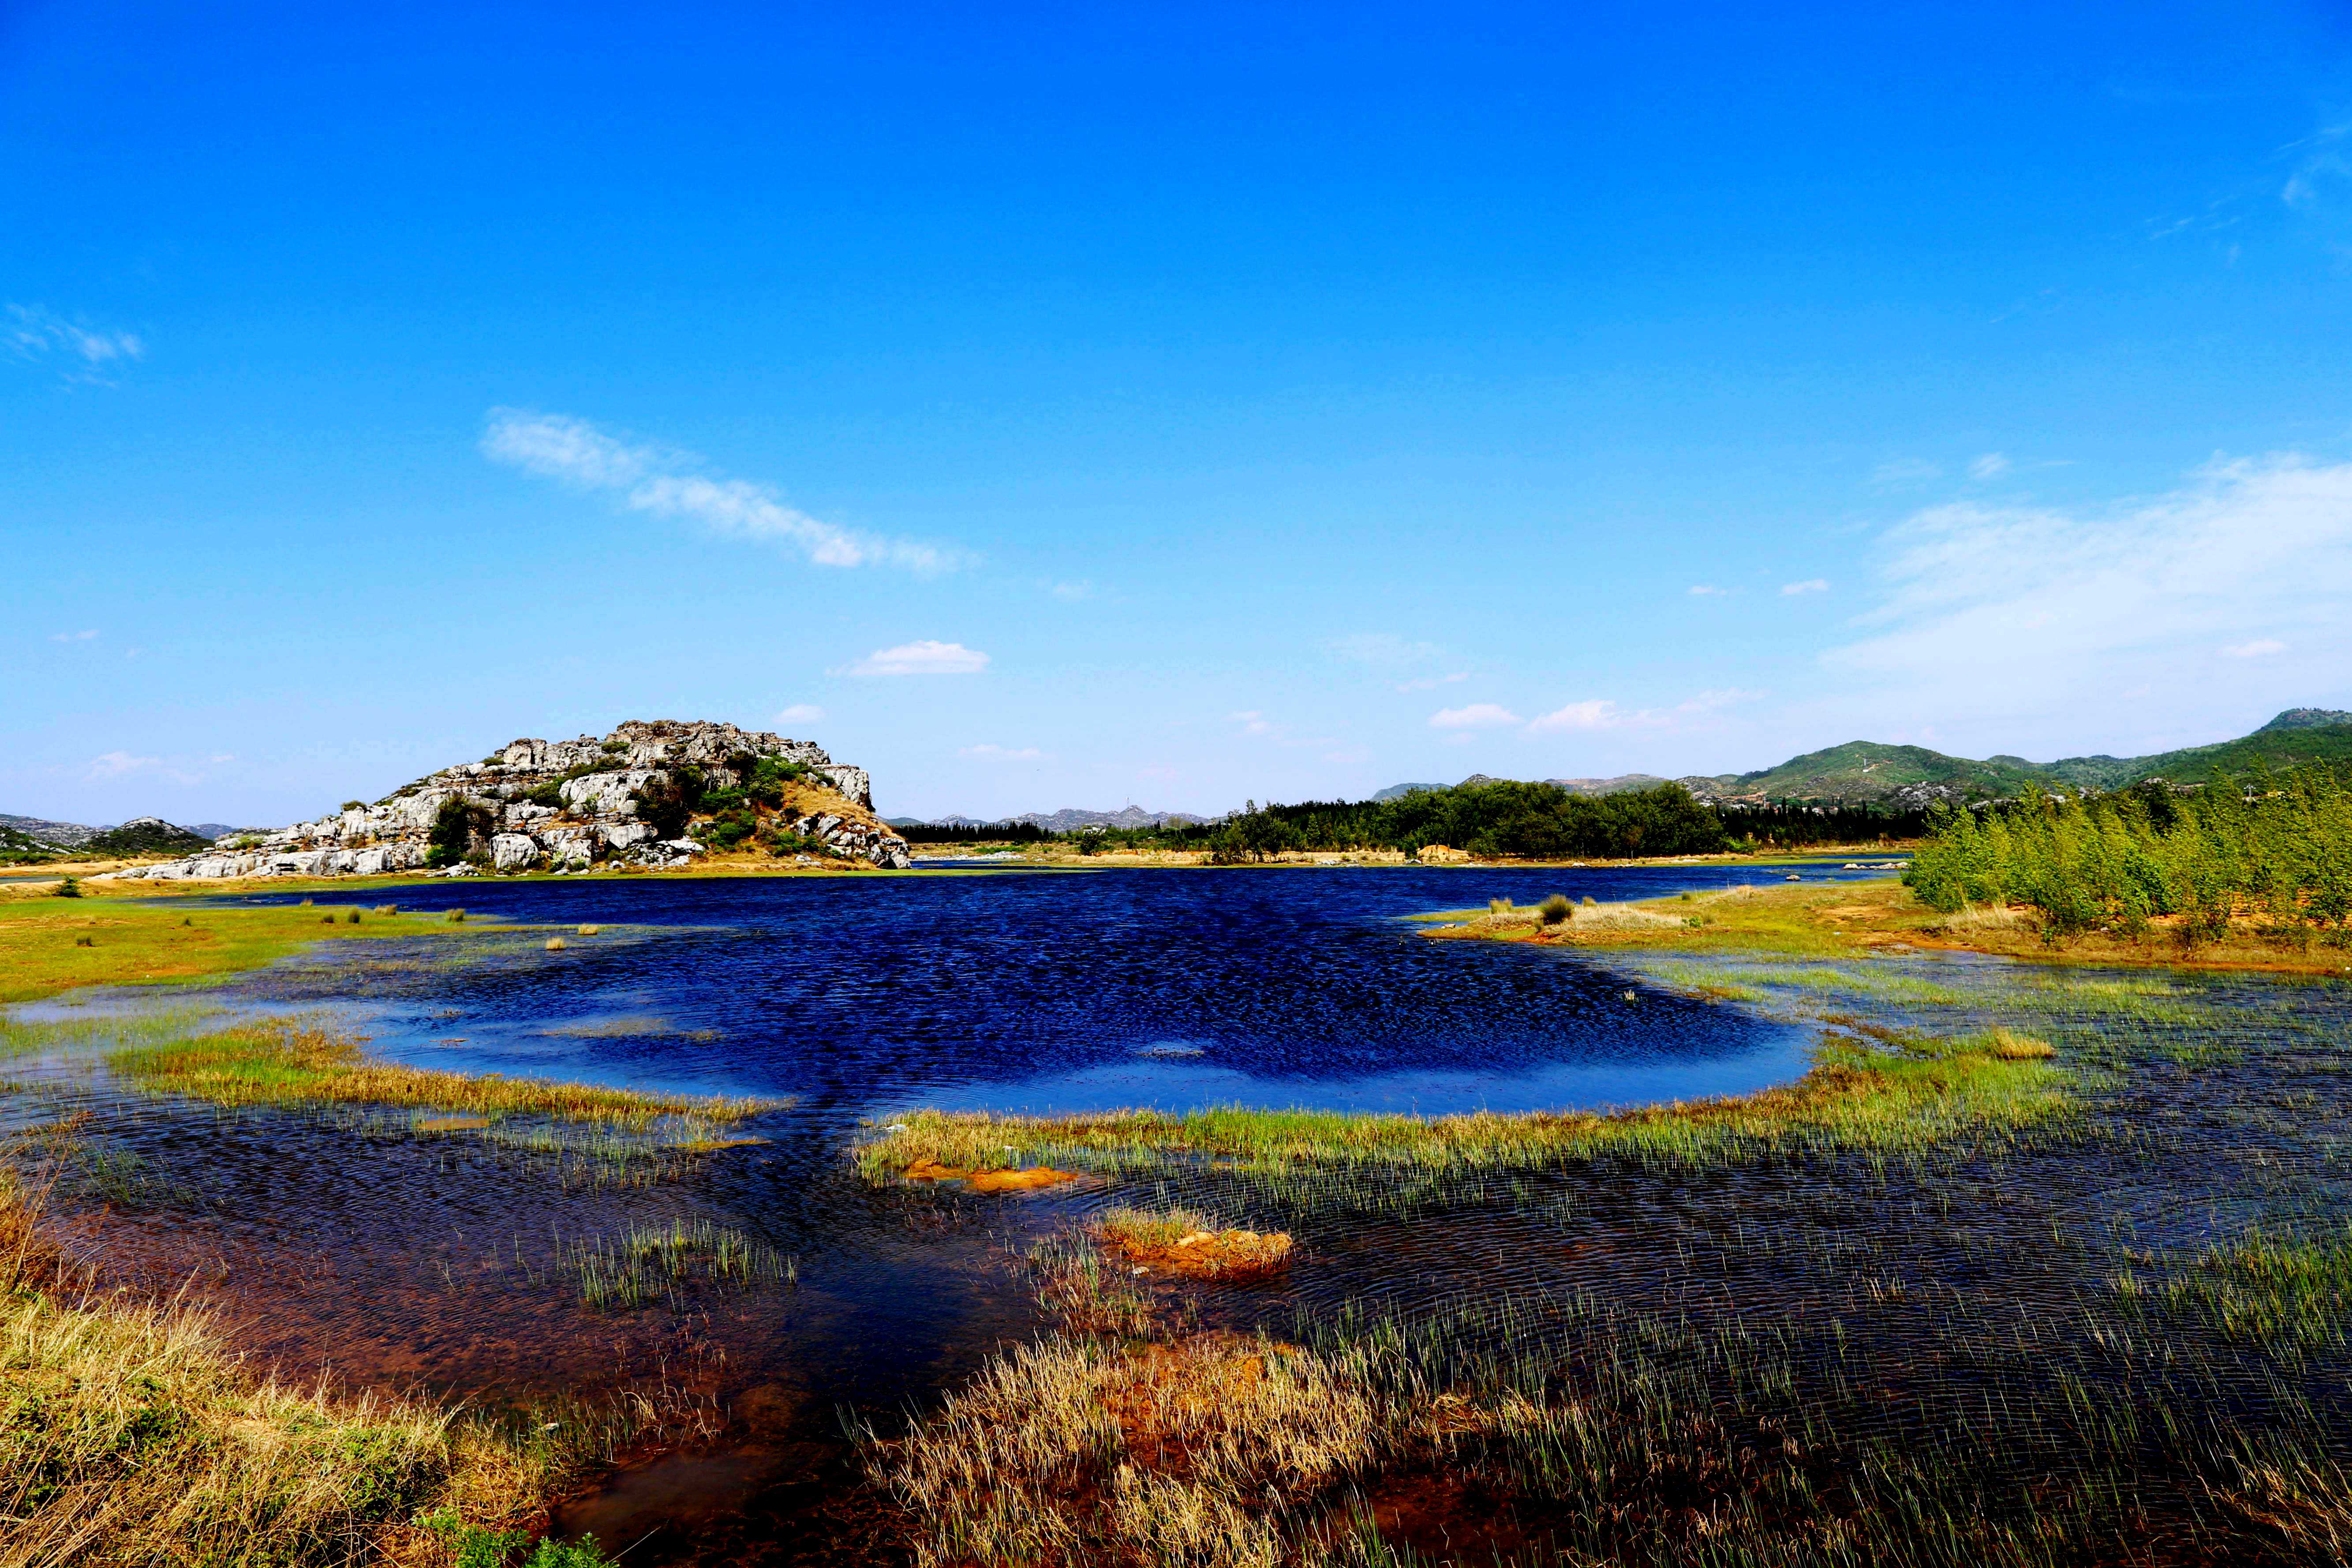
column 2211, row 1104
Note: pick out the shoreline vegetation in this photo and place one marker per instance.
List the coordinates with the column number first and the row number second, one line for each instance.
column 134, row 1433
column 1892, row 1091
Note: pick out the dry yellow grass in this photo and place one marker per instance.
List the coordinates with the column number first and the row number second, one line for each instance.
column 1182, row 1242
column 129, row 1435
column 1216, row 1450
column 1819, row 920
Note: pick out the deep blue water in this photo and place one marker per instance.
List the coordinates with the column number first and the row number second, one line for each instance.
column 1053, row 992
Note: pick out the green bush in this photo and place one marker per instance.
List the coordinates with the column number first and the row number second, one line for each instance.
column 70, row 888
column 1555, row 909
column 460, row 828
column 2276, row 847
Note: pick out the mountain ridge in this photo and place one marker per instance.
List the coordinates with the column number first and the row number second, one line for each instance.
column 1872, row 772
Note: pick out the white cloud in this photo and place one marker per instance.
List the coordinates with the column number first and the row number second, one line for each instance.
column 38, row 335
column 117, row 764
column 71, row 636
column 1598, row 714
column 1071, row 593
column 659, row 480
column 996, row 754
column 1601, row 713
column 1432, row 682
column 2259, row 649
column 1997, row 612
column 799, row 713
column 1476, row 716
column 1809, row 586
column 925, row 658
column 1252, row 721
column 1706, row 590
column 1990, row 466
column 1906, row 471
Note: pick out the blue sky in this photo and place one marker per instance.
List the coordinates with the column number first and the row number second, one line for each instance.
column 1066, row 407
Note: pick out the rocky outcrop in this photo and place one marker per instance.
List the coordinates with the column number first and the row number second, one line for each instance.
column 569, row 805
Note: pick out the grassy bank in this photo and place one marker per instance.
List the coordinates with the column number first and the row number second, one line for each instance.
column 1860, row 1094
column 131, row 1434
column 1848, row 919
column 284, row 1063
column 49, row 945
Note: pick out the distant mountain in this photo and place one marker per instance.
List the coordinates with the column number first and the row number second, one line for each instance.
column 1868, row 772
column 146, row 835
column 1398, row 792
column 140, row 836
column 64, row 834
column 1617, row 785
column 1069, row 819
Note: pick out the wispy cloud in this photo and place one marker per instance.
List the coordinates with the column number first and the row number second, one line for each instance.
column 1990, row 466
column 988, row 752
column 71, row 636
column 38, row 335
column 1071, row 593
column 799, row 713
column 1476, row 716
column 1432, row 682
column 2261, row 647
column 121, row 764
column 1706, row 590
column 2004, row 611
column 1600, row 714
column 1903, row 471
column 925, row 658
column 664, row 482
column 1809, row 586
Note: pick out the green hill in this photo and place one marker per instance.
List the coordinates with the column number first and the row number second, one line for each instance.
column 1866, row 771
column 2298, row 735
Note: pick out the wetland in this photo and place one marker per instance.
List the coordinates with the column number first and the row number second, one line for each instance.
column 1232, row 1218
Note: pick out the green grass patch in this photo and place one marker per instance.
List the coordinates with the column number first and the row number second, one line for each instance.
column 1858, row 1095
column 287, row 1063
column 43, row 951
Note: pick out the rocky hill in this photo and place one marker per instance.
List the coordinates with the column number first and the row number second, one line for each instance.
column 650, row 793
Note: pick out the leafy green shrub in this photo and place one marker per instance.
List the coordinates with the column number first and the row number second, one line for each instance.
column 458, row 827
column 611, row 747
column 70, row 888
column 354, row 806
column 1555, row 909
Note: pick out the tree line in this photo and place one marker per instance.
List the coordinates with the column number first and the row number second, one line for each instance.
column 1495, row 818
column 2274, row 845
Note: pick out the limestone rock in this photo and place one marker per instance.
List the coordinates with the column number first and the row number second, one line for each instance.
column 596, row 779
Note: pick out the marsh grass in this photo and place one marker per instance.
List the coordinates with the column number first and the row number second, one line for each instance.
column 291, row 1062
column 648, row 1264
column 1859, row 1094
column 1213, row 1450
column 132, row 1434
column 2281, row 1292
column 47, row 947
